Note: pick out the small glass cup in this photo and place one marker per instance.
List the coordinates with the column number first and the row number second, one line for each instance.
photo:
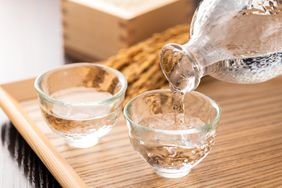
column 172, row 149
column 81, row 102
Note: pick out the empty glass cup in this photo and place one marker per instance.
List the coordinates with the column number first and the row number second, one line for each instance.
column 81, row 101
column 170, row 147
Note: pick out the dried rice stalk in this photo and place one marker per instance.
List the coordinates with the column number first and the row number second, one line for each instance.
column 140, row 63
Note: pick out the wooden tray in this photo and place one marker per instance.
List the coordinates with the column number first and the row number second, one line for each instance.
column 247, row 153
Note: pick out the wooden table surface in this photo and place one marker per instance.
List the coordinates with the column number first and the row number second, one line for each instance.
column 248, row 149
column 247, row 153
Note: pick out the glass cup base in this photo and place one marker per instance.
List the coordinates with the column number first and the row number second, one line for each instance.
column 85, row 142
column 168, row 173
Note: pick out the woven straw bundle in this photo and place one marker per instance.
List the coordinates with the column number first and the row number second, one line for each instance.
column 141, row 63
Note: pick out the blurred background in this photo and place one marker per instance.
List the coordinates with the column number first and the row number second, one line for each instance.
column 38, row 35
column 30, row 38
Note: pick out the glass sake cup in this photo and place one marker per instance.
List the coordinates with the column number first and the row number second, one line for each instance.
column 81, row 102
column 172, row 149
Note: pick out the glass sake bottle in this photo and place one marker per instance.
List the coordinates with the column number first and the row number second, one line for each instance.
column 237, row 41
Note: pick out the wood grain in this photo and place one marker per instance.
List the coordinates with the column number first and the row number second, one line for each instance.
column 38, row 142
column 110, row 28
column 247, row 153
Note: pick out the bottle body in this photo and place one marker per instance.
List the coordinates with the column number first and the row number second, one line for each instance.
column 248, row 70
column 233, row 40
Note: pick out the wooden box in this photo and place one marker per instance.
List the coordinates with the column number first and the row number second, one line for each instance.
column 98, row 29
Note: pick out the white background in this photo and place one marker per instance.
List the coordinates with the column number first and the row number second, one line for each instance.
column 30, row 38
column 30, row 43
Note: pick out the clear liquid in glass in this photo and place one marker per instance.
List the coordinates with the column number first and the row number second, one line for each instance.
column 81, row 126
column 182, row 153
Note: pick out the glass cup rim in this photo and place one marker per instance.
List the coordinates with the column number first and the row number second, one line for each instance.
column 115, row 72
column 206, row 127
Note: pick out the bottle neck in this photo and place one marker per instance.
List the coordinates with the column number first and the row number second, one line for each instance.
column 181, row 67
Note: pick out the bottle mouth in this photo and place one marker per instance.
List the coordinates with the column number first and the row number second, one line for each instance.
column 179, row 68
